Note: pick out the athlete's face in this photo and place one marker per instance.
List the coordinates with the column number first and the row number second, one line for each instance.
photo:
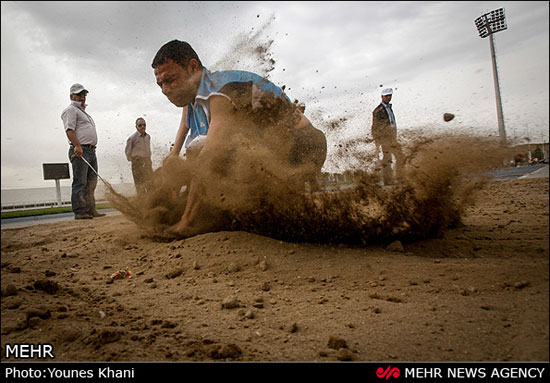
column 179, row 84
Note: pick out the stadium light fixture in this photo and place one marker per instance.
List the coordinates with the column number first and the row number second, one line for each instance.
column 487, row 25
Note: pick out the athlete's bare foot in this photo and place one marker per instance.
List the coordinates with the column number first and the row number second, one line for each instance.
column 182, row 230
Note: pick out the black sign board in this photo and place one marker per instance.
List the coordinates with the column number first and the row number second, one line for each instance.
column 56, row 171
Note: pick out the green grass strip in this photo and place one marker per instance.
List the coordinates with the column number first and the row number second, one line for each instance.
column 50, row 210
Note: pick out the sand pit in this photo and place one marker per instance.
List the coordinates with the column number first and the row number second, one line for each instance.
column 478, row 292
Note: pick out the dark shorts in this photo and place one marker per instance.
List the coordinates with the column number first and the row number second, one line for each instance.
column 273, row 115
column 309, row 146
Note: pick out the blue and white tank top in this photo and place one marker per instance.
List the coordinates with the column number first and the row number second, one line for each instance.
column 225, row 83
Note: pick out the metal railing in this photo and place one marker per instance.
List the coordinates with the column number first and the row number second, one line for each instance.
column 36, row 205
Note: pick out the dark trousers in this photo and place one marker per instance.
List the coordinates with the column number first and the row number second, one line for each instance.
column 84, row 181
column 142, row 170
column 309, row 149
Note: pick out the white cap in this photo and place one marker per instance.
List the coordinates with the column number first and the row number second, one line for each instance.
column 77, row 88
column 387, row 91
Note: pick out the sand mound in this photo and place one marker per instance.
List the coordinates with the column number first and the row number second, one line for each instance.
column 250, row 190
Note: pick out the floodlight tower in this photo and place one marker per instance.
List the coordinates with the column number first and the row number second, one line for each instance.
column 487, row 24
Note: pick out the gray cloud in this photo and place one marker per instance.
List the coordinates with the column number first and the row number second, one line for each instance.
column 331, row 55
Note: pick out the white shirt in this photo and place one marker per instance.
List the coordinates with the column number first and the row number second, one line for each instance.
column 75, row 118
column 390, row 115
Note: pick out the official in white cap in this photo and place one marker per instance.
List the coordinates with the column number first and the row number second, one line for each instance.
column 78, row 88
column 384, row 133
column 82, row 135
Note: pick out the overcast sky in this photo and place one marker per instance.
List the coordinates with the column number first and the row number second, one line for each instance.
column 333, row 56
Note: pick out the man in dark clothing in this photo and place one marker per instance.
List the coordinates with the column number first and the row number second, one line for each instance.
column 384, row 132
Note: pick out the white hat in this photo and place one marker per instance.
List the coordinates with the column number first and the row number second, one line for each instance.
column 77, row 88
column 387, row 91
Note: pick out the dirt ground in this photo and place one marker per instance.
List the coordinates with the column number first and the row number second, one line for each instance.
column 478, row 293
